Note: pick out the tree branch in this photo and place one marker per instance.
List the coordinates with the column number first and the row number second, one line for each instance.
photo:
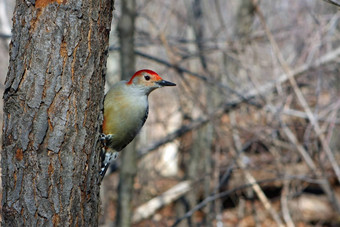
column 290, row 76
column 334, row 2
column 268, row 87
column 149, row 208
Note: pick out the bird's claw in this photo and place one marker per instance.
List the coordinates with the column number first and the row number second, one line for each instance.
column 102, row 136
column 105, row 138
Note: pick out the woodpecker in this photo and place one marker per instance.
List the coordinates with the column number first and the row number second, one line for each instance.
column 126, row 109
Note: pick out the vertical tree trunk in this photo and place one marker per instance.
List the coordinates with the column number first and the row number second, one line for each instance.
column 244, row 18
column 52, row 112
column 128, row 171
column 200, row 162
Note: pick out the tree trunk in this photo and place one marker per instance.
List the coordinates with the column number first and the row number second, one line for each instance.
column 128, row 170
column 241, row 32
column 52, row 112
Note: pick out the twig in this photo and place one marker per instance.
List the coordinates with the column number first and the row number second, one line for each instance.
column 250, row 178
column 327, row 58
column 149, row 208
column 334, row 2
column 5, row 36
column 248, row 95
column 311, row 165
column 174, row 135
column 301, row 114
column 206, row 78
column 306, row 157
column 298, row 93
column 197, row 123
column 242, row 187
column 284, row 205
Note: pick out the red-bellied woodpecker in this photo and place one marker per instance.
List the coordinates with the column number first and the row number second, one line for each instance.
column 126, row 110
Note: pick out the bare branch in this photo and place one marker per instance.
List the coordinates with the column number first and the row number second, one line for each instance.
column 149, row 208
column 268, row 87
column 299, row 94
column 334, row 2
column 250, row 178
column 213, row 197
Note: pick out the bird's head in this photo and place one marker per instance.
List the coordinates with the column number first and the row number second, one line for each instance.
column 148, row 80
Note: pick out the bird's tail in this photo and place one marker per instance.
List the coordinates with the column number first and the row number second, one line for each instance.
column 107, row 157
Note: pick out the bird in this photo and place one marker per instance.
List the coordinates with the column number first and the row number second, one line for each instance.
column 126, row 108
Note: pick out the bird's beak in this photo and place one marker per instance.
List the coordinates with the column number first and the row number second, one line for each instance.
column 165, row 83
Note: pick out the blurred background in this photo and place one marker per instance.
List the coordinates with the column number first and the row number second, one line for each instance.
column 250, row 135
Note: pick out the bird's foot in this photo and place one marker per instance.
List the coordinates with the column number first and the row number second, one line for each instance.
column 105, row 138
column 102, row 136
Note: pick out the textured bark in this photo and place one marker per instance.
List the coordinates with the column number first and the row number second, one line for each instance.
column 52, row 112
column 128, row 170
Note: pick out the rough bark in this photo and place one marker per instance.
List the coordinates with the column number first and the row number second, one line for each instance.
column 52, row 112
column 128, row 170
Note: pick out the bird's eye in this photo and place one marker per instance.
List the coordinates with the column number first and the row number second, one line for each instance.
column 147, row 77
